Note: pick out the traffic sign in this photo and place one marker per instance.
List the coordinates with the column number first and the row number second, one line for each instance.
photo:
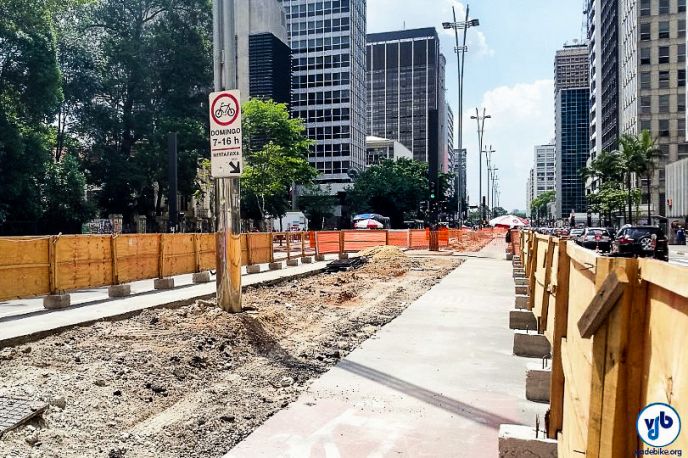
column 225, row 135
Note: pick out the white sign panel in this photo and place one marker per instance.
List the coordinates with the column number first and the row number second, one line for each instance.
column 225, row 134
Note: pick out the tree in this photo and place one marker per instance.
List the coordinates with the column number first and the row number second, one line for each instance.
column 64, row 200
column 276, row 154
column 538, row 207
column 499, row 211
column 317, row 205
column 648, row 154
column 391, row 188
column 29, row 94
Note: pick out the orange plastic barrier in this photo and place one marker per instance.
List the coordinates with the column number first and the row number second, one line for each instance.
column 419, row 238
column 360, row 240
column 398, row 238
column 327, row 242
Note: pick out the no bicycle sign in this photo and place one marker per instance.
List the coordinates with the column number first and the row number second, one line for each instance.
column 225, row 134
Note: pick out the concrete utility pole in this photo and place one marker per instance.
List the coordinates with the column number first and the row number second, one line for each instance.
column 227, row 192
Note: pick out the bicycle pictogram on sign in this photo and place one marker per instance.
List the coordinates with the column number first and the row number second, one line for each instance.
column 225, row 109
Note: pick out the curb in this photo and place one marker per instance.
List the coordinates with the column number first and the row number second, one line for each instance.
column 32, row 337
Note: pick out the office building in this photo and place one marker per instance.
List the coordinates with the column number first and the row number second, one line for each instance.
column 652, row 69
column 449, row 148
column 327, row 41
column 263, row 55
column 677, row 196
column 405, row 92
column 458, row 167
column 544, row 169
column 530, row 192
column 379, row 149
column 572, row 125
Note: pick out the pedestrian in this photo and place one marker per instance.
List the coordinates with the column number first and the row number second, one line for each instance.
column 681, row 236
column 508, row 236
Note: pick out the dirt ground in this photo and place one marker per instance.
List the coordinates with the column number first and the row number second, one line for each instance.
column 194, row 381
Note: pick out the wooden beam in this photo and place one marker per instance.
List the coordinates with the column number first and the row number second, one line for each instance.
column 532, row 262
column 113, row 252
column 668, row 276
column 561, row 313
column 602, row 304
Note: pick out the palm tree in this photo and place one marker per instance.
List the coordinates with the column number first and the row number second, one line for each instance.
column 632, row 160
column 648, row 154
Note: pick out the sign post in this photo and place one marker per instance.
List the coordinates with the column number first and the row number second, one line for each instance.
column 226, row 158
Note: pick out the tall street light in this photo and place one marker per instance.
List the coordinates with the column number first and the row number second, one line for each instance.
column 488, row 157
column 480, row 119
column 460, row 61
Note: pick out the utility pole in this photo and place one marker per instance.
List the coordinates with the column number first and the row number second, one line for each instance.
column 488, row 156
column 227, row 192
column 460, row 63
column 480, row 119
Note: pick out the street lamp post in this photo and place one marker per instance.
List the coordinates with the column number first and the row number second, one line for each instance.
column 460, row 64
column 480, row 119
column 488, row 157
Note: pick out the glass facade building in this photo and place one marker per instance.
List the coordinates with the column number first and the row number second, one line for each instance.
column 327, row 40
column 269, row 68
column 405, row 83
column 572, row 127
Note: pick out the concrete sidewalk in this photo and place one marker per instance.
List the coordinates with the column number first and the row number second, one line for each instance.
column 435, row 382
column 24, row 320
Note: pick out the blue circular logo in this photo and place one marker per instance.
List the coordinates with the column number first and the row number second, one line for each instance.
column 658, row 424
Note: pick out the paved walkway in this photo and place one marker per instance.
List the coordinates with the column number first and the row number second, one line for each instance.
column 435, row 382
column 26, row 318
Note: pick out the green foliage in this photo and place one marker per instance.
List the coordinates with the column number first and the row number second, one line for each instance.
column 63, row 196
column 391, row 188
column 317, row 205
column 499, row 211
column 276, row 157
column 538, row 207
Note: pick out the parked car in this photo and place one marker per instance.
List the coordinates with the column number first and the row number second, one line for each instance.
column 642, row 242
column 595, row 238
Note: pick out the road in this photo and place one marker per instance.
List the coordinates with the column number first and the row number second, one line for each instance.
column 678, row 254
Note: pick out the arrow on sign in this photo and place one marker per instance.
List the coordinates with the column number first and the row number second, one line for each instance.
column 235, row 167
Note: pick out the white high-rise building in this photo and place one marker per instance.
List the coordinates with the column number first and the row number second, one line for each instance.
column 327, row 39
column 545, row 169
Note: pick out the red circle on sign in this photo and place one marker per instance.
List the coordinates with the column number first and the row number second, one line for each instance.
column 213, row 111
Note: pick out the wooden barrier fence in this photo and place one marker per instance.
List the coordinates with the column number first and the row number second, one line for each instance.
column 32, row 266
column 618, row 329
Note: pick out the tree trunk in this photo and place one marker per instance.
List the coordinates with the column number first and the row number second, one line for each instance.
column 629, row 200
column 649, row 198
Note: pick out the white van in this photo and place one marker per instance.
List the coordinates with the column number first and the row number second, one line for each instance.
column 291, row 222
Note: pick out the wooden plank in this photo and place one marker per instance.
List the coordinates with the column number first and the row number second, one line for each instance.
column 670, row 277
column 585, row 258
column 52, row 259
column 574, row 407
column 532, row 262
column 549, row 258
column 113, row 250
column 602, row 304
column 197, row 253
column 599, row 349
column 557, row 383
column 288, row 247
column 161, row 256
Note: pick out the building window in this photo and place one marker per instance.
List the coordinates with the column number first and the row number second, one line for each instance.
column 645, row 56
column 663, row 54
column 681, row 104
column 664, row 104
column 644, row 7
column 663, row 127
column 663, row 6
column 681, row 6
column 645, row 32
column 645, row 124
column 646, row 104
column 681, row 126
column 664, row 29
column 681, row 77
column 645, row 80
column 664, row 79
column 681, row 28
column 681, row 53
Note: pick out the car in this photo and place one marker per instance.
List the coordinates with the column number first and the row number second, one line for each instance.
column 595, row 238
column 576, row 232
column 642, row 242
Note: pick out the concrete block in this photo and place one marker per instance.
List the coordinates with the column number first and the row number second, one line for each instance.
column 119, row 290
column 522, row 319
column 517, row 264
column 509, row 256
column 521, row 281
column 521, row 289
column 343, row 255
column 531, row 345
column 276, row 266
column 292, row 262
column 319, row 257
column 519, row 273
column 537, row 382
column 520, row 441
column 307, row 260
column 253, row 269
column 521, row 302
column 163, row 283
column 201, row 277
column 57, row 301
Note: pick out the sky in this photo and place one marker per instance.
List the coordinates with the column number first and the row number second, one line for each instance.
column 509, row 71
